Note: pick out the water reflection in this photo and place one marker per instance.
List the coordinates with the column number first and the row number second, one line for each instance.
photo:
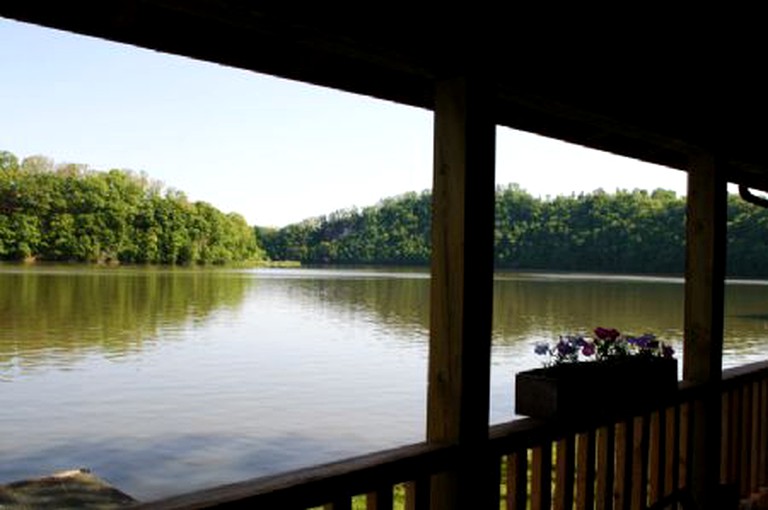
column 55, row 315
column 209, row 376
column 533, row 307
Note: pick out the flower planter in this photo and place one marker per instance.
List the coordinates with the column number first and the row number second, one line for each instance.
column 596, row 388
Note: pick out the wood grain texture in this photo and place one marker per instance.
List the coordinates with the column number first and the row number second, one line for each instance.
column 381, row 499
column 565, row 473
column 754, row 458
column 585, row 471
column 763, row 435
column 671, row 450
column 462, row 289
column 745, row 422
column 640, row 445
column 704, row 304
column 541, row 481
column 517, row 480
column 606, row 454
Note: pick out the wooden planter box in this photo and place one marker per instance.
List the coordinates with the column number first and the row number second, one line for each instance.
column 595, row 389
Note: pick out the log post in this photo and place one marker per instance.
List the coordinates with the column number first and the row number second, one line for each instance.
column 462, row 290
column 704, row 308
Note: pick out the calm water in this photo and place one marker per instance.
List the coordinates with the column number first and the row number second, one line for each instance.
column 164, row 381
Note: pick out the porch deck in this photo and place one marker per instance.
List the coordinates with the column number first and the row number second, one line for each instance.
column 671, row 112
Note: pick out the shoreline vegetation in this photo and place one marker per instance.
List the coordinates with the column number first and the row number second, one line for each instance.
column 249, row 264
column 70, row 213
column 626, row 232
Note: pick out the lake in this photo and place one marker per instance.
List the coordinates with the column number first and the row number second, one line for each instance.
column 169, row 380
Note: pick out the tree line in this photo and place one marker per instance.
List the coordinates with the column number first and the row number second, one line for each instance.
column 626, row 231
column 395, row 231
column 71, row 213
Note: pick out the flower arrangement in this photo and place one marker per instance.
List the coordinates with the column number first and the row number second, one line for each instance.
column 606, row 344
column 618, row 364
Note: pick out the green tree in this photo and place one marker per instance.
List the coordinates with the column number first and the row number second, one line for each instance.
column 69, row 212
column 8, row 162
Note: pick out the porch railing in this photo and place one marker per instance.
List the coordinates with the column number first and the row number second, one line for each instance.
column 635, row 462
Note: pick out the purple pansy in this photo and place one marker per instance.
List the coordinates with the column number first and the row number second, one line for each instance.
column 578, row 341
column 565, row 347
column 607, row 343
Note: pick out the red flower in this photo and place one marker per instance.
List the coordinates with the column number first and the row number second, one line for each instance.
column 607, row 334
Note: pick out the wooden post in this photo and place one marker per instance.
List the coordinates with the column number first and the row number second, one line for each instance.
column 462, row 290
column 704, row 302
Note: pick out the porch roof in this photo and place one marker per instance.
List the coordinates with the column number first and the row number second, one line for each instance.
column 668, row 94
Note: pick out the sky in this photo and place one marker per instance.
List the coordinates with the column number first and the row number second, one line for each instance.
column 273, row 150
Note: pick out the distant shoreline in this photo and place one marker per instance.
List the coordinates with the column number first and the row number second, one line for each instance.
column 31, row 261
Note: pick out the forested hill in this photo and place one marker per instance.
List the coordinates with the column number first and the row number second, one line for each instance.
column 627, row 231
column 70, row 213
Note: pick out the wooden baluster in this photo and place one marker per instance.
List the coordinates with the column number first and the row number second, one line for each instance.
column 382, row 499
column 725, row 425
column 683, row 442
column 494, row 471
column 639, row 476
column 417, row 494
column 629, row 459
column 517, row 480
column 763, row 449
column 565, row 461
column 624, row 438
column 754, row 443
column 585, row 473
column 656, row 457
column 606, row 456
column 735, row 440
column 541, row 484
column 734, row 443
column 746, row 423
column 344, row 503
column 671, row 449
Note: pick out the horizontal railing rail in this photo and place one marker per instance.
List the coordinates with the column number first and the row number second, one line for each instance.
column 337, row 482
column 636, row 460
